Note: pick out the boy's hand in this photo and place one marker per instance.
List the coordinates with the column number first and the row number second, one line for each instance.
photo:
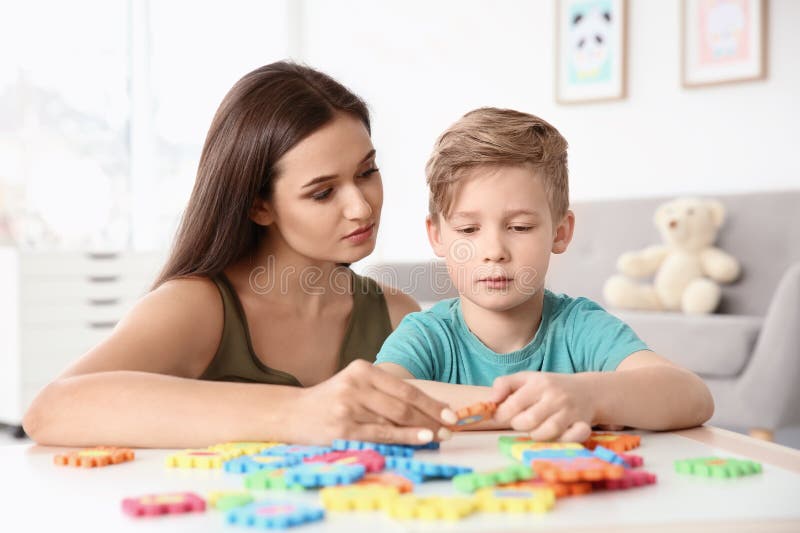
column 547, row 405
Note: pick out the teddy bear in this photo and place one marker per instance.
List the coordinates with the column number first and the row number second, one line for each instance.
column 687, row 268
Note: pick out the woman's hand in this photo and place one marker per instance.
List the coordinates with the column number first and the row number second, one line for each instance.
column 363, row 402
column 546, row 405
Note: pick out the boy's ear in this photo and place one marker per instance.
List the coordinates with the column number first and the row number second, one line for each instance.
column 261, row 212
column 563, row 233
column 435, row 235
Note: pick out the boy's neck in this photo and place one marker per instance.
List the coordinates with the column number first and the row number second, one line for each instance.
column 504, row 331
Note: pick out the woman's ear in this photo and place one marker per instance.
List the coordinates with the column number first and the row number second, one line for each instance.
column 261, row 212
column 435, row 235
column 563, row 233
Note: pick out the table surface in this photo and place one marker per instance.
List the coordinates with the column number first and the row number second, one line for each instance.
column 44, row 497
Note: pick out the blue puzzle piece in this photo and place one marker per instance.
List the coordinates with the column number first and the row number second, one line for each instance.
column 387, row 450
column 607, row 455
column 275, row 514
column 323, row 474
column 296, row 450
column 530, row 455
column 432, row 445
column 253, row 463
column 429, row 470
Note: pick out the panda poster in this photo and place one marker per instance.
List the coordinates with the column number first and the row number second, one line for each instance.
column 590, row 57
column 723, row 41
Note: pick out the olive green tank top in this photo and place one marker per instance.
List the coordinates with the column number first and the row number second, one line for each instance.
column 235, row 360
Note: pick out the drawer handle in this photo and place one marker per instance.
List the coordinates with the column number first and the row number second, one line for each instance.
column 102, row 255
column 103, row 301
column 108, row 324
column 102, row 279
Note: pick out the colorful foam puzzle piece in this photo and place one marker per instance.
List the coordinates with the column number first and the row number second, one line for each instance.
column 427, row 469
column 387, row 479
column 323, row 474
column 578, row 469
column 357, row 498
column 561, row 490
column 95, row 457
column 717, row 467
column 298, row 450
column 410, row 506
column 388, row 450
column 270, row 480
column 609, row 456
column 198, row 459
column 517, row 450
column 502, row 500
column 225, row 500
column 275, row 514
column 253, row 463
column 631, row 478
column 505, row 442
column 478, row 480
column 244, row 448
column 433, row 445
column 554, row 453
column 158, row 504
column 473, row 414
column 632, row 460
column 613, row 442
column 371, row 460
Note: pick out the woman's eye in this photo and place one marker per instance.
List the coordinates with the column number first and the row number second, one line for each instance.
column 319, row 196
column 369, row 172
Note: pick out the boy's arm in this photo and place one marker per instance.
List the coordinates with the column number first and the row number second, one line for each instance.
column 646, row 391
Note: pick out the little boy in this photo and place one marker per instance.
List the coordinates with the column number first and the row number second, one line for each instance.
column 499, row 206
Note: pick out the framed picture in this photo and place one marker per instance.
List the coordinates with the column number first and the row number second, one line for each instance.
column 590, row 50
column 723, row 41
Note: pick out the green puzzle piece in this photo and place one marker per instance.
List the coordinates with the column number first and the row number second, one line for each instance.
column 717, row 467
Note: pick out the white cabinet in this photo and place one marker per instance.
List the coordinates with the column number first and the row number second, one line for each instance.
column 54, row 306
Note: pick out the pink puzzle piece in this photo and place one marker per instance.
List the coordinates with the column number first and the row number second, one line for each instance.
column 631, row 478
column 158, row 504
column 633, row 461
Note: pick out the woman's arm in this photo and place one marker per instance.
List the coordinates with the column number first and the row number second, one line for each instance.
column 140, row 388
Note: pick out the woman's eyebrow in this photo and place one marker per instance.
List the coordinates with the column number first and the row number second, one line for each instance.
column 321, row 179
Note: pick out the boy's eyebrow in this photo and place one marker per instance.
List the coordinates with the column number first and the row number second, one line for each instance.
column 320, row 179
column 506, row 214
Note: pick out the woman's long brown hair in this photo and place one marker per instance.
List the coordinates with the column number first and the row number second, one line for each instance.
column 263, row 116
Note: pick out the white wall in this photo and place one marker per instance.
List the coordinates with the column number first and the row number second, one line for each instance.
column 422, row 64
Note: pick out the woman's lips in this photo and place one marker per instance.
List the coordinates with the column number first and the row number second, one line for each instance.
column 361, row 234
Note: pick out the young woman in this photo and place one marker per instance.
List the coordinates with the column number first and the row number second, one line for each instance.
column 256, row 329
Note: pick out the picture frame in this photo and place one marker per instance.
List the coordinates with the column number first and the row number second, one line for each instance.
column 591, row 50
column 723, row 41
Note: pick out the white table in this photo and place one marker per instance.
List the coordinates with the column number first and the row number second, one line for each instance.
column 37, row 496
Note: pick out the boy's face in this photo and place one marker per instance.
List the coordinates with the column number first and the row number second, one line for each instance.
column 498, row 236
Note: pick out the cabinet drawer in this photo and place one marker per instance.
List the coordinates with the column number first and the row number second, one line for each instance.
column 81, row 291
column 81, row 264
column 91, row 311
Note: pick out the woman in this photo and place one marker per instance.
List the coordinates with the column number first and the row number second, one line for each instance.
column 256, row 329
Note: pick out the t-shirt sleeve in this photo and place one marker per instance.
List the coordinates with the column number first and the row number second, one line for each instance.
column 415, row 346
column 600, row 341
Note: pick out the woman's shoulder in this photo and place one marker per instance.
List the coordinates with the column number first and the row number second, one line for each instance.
column 398, row 303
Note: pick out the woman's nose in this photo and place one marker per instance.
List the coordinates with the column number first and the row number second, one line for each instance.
column 357, row 206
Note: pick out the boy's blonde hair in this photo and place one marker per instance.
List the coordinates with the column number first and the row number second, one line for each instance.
column 498, row 137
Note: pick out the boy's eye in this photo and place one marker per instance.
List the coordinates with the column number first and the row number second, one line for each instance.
column 319, row 196
column 521, row 229
column 468, row 230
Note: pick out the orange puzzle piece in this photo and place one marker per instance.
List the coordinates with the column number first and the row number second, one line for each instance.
column 95, row 457
column 561, row 490
column 576, row 469
column 613, row 442
column 473, row 414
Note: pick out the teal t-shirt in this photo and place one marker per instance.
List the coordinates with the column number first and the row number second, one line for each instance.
column 575, row 335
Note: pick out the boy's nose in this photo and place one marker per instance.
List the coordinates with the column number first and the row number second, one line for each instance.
column 494, row 250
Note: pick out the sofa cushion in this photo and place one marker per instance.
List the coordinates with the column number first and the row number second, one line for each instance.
column 709, row 345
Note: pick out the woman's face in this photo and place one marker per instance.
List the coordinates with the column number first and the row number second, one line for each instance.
column 327, row 198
